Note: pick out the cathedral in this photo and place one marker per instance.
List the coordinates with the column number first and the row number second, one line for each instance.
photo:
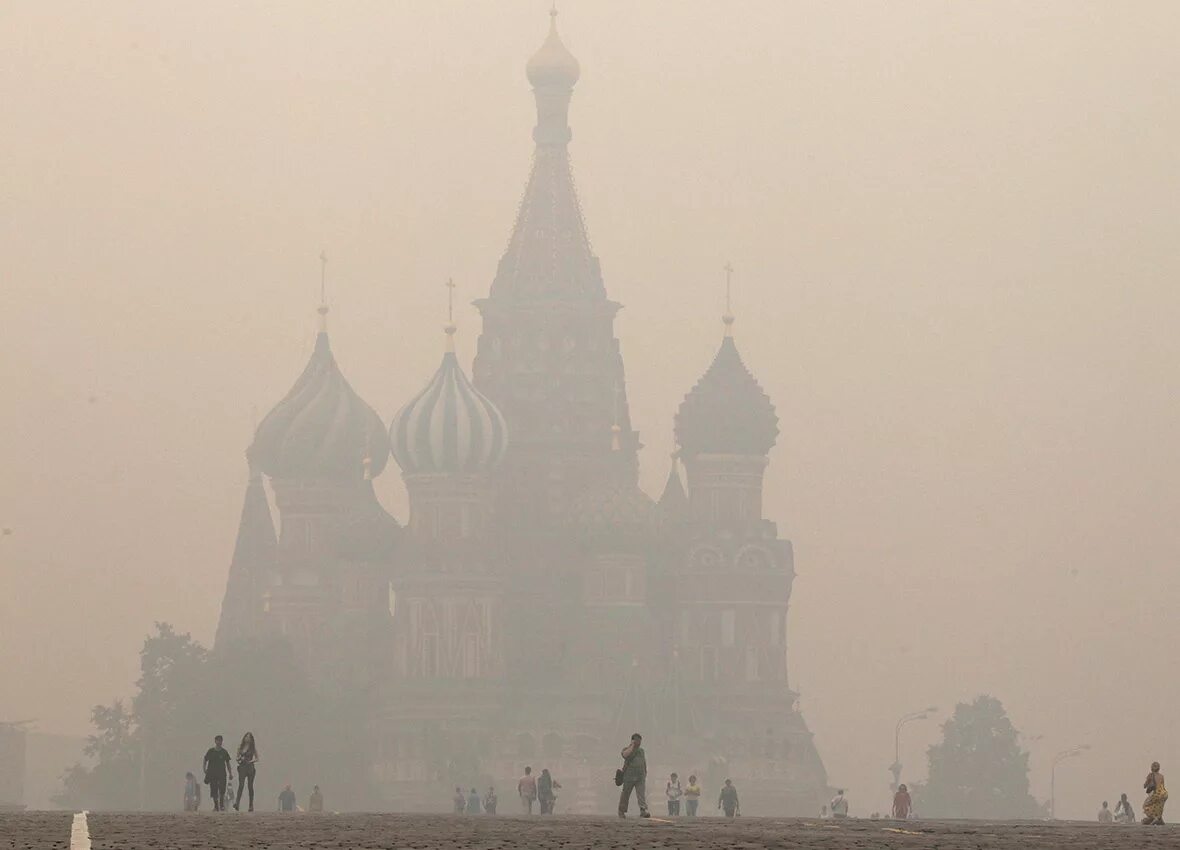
column 536, row 607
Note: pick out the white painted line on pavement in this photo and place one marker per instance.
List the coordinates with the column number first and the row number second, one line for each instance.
column 80, row 832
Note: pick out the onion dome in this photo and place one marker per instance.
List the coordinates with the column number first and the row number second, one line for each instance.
column 727, row 411
column 322, row 430
column 449, row 427
column 553, row 65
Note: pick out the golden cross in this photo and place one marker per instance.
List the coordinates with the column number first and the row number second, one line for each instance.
column 450, row 300
column 323, row 278
column 728, row 285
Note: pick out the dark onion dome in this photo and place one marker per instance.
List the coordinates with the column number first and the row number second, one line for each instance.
column 727, row 412
column 322, row 430
column 449, row 427
column 553, row 64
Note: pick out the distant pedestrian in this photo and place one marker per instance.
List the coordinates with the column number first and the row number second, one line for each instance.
column 247, row 759
column 633, row 777
column 527, row 789
column 1157, row 796
column 902, row 803
column 217, row 771
column 473, row 802
column 692, row 797
column 546, row 785
column 674, row 791
column 840, row 805
column 823, row 812
column 315, row 803
column 489, row 802
column 192, row 793
column 1123, row 813
column 728, row 800
column 459, row 801
column 1105, row 815
column 287, row 800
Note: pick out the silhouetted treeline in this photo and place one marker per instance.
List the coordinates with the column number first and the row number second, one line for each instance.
column 186, row 695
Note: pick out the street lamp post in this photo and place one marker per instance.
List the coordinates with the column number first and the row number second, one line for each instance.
column 1072, row 752
column 895, row 768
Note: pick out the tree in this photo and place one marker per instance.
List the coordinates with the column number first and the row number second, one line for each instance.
column 186, row 695
column 979, row 770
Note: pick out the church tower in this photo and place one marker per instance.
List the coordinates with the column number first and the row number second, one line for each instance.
column 548, row 356
column 321, row 446
column 732, row 591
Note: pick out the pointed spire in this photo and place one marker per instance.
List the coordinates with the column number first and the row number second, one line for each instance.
column 727, row 318
column 253, row 555
column 673, row 501
column 449, row 328
column 323, row 308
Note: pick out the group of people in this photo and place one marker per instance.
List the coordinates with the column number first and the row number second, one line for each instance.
column 219, row 774
column 472, row 804
column 1153, row 806
column 541, row 790
column 632, row 779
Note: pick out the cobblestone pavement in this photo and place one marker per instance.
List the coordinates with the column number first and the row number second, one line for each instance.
column 443, row 832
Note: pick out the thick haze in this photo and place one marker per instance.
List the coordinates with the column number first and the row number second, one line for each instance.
column 955, row 233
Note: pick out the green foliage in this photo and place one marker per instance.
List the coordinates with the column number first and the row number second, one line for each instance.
column 187, row 695
column 979, row 770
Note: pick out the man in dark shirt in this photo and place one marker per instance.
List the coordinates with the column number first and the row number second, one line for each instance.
column 287, row 800
column 728, row 800
column 217, row 770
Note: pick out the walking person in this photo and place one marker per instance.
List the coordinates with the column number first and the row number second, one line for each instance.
column 473, row 802
column 545, row 796
column 315, row 803
column 459, row 801
column 489, row 802
column 527, row 789
column 728, row 801
column 192, row 793
column 1157, row 796
column 247, row 759
column 840, row 805
column 674, row 791
column 287, row 799
column 1123, row 813
column 692, row 797
column 633, row 777
column 902, row 803
column 1104, row 814
column 217, row 770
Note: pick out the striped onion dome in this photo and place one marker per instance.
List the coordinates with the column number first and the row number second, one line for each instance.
column 449, row 427
column 322, row 430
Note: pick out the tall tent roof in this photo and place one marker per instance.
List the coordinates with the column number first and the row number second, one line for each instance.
column 254, row 553
column 727, row 412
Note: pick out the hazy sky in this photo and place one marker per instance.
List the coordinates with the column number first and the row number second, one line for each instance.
column 955, row 233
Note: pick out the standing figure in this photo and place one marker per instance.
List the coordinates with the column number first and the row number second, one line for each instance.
column 902, row 803
column 473, row 802
column 692, row 797
column 192, row 793
column 840, row 805
column 527, row 789
column 1157, row 795
column 459, row 801
column 634, row 777
column 1104, row 814
column 247, row 759
column 674, row 792
column 489, row 802
column 1123, row 813
column 287, row 799
column 545, row 796
column 315, row 803
column 217, row 769
column 728, row 800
